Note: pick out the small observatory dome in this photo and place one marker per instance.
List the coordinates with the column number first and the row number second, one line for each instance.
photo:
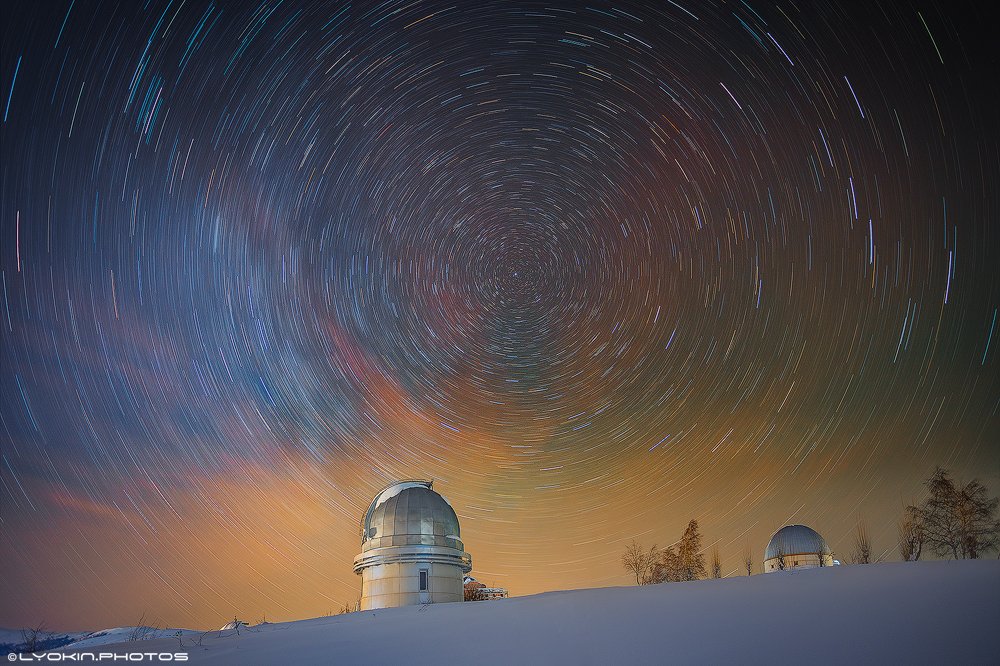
column 796, row 546
column 411, row 548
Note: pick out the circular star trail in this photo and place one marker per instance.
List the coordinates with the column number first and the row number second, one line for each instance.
column 595, row 268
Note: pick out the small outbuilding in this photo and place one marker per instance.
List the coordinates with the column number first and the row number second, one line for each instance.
column 476, row 591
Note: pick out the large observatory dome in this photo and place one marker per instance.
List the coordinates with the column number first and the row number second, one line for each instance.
column 410, row 513
column 797, row 546
column 796, row 540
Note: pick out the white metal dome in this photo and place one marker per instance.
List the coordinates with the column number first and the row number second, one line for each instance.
column 410, row 513
column 796, row 540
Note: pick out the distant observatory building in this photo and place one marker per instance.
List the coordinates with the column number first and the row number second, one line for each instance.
column 796, row 547
column 411, row 550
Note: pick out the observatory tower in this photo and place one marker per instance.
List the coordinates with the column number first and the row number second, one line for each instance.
column 411, row 550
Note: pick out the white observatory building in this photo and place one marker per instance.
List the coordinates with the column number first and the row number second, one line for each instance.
column 411, row 550
column 796, row 547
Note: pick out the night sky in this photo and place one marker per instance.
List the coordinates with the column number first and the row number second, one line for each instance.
column 595, row 268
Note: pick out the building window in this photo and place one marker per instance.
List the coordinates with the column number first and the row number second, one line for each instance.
column 423, row 580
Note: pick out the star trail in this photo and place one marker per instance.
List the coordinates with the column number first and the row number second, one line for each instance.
column 595, row 268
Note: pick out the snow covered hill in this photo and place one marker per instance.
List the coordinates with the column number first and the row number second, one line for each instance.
column 913, row 613
column 13, row 639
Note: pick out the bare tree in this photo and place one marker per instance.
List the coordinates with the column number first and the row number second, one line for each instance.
column 780, row 559
column 716, row 563
column 862, row 545
column 32, row 637
column 635, row 561
column 141, row 631
column 644, row 565
column 748, row 560
column 958, row 521
column 654, row 566
column 911, row 535
column 978, row 530
column 939, row 515
column 133, row 634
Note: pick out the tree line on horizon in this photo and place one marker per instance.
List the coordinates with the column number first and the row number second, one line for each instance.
column 684, row 563
column 956, row 521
